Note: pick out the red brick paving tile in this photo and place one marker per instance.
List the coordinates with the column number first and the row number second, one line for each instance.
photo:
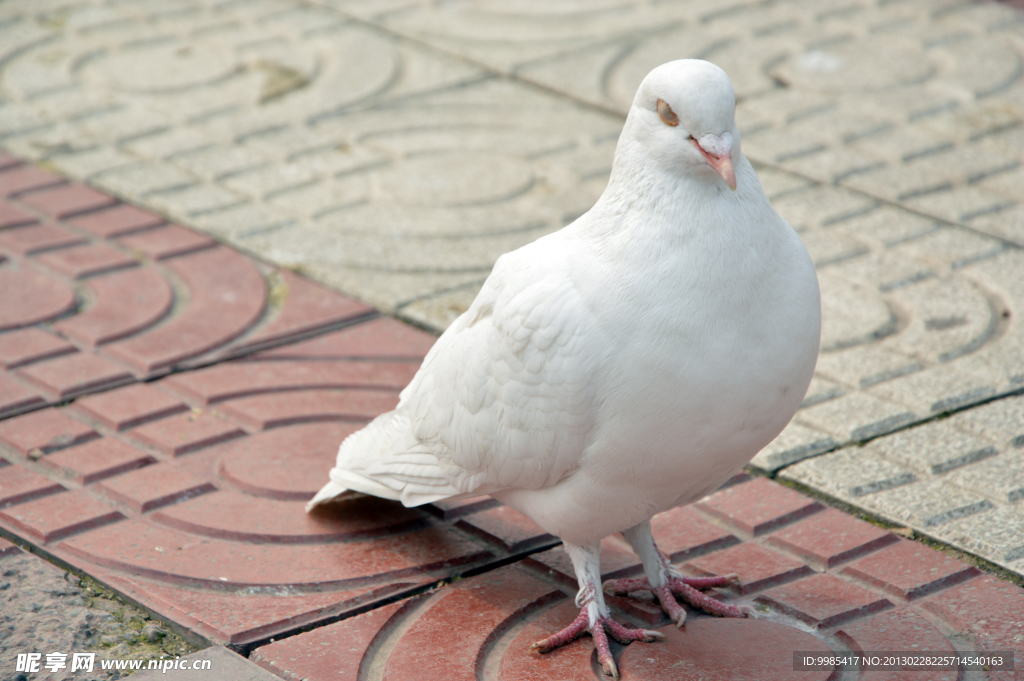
column 19, row 484
column 186, row 433
column 12, row 216
column 473, row 609
column 320, row 654
column 241, row 378
column 155, row 486
column 28, row 297
column 277, row 409
column 831, row 537
column 716, row 649
column 220, row 564
column 824, row 600
column 125, row 302
column 220, row 617
column 30, row 345
column 15, row 397
column 758, row 567
column 506, row 527
column 130, row 406
column 75, row 374
column 987, row 608
column 910, row 570
column 758, row 506
column 60, row 515
column 46, row 430
column 683, row 532
column 901, row 629
column 37, row 238
column 112, row 222
column 377, row 338
column 84, row 261
column 167, row 242
column 8, row 549
column 288, row 463
column 25, row 178
column 96, row 460
column 67, row 200
column 306, row 307
column 228, row 295
column 228, row 514
column 483, row 627
column 8, row 161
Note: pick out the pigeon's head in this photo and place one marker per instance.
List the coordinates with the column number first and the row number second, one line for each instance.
column 684, row 114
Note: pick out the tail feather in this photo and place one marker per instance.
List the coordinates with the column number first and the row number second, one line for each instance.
column 327, row 493
column 386, row 460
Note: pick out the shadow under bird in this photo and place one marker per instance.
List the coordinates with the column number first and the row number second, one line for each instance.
column 624, row 365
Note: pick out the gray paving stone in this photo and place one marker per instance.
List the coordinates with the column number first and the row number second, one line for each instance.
column 820, row 205
column 994, row 534
column 242, row 222
column 171, row 142
column 1000, row 478
column 856, row 416
column 850, row 474
column 940, row 389
column 795, row 443
column 1001, row 422
column 142, row 179
column 195, row 200
column 933, row 449
column 928, row 505
column 217, row 162
column 866, row 365
column 91, row 162
column 271, row 179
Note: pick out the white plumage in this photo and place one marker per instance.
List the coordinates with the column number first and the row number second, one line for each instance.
column 626, row 364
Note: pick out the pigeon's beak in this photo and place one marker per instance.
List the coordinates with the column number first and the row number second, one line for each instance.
column 717, row 151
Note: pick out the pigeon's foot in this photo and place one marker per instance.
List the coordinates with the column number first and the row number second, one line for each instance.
column 598, row 631
column 686, row 588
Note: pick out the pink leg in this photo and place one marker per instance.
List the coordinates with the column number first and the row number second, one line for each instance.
column 604, row 654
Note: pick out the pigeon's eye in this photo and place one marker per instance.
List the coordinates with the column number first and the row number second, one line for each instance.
column 667, row 115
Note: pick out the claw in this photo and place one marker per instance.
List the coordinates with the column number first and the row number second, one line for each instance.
column 748, row 611
column 608, row 665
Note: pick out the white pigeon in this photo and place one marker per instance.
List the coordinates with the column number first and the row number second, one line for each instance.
column 624, row 365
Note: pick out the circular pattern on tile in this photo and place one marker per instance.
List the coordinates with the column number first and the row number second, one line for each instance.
column 864, row 65
column 27, row 297
column 852, row 314
column 456, row 178
column 287, row 463
column 162, row 68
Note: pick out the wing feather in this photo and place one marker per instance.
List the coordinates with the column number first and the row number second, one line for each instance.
column 502, row 400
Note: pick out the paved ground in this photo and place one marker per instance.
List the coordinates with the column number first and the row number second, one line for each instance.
column 392, row 150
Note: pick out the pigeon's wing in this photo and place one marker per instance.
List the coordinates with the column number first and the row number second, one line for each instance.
column 503, row 399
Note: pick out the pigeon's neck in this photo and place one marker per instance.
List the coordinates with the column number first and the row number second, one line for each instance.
column 651, row 198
